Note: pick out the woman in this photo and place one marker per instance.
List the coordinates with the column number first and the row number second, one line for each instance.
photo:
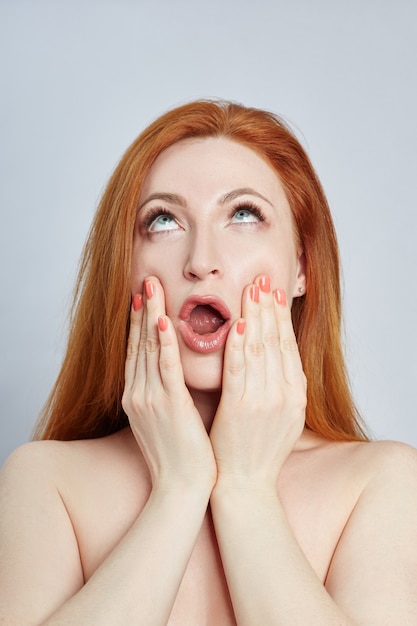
column 186, row 475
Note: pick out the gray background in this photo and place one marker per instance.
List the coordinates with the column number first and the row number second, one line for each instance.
column 80, row 79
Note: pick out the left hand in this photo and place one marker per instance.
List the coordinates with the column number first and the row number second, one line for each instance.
column 261, row 413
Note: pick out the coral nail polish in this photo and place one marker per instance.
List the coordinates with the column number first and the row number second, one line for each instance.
column 149, row 289
column 137, row 302
column 240, row 328
column 280, row 297
column 265, row 284
column 254, row 293
column 162, row 322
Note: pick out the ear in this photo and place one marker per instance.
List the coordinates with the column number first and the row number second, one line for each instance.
column 300, row 283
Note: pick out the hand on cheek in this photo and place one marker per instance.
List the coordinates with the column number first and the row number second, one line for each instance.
column 262, row 408
column 161, row 412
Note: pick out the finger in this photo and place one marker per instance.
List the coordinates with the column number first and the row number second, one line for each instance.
column 155, row 307
column 170, row 366
column 254, row 349
column 291, row 360
column 269, row 330
column 133, row 341
column 234, row 364
column 141, row 362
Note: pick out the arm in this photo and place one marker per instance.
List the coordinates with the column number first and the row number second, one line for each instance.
column 372, row 580
column 259, row 419
column 41, row 579
column 269, row 578
column 373, row 574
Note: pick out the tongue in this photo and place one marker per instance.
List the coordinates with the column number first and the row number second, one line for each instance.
column 205, row 320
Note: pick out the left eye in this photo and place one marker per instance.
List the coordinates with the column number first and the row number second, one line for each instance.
column 165, row 221
column 245, row 215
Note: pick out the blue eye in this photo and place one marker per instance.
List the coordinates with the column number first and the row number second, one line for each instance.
column 164, row 221
column 247, row 215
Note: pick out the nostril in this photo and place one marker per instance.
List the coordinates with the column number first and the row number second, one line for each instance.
column 201, row 272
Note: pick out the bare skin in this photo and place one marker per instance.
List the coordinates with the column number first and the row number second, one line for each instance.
column 105, row 483
column 217, row 506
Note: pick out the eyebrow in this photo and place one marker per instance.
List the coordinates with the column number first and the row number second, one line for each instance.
column 243, row 191
column 174, row 198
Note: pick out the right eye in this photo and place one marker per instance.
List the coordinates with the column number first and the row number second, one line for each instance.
column 162, row 222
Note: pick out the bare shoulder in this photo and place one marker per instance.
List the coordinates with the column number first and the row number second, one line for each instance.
column 363, row 460
column 38, row 484
column 59, row 460
column 374, row 567
column 377, row 462
column 32, row 465
column 35, row 535
column 387, row 454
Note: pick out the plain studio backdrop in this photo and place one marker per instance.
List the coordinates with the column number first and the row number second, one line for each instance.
column 81, row 78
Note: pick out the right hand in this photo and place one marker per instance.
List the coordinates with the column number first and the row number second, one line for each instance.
column 162, row 415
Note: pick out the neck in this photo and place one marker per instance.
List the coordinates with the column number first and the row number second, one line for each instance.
column 206, row 403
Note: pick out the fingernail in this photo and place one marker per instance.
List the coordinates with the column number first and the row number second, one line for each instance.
column 149, row 289
column 162, row 322
column 240, row 328
column 137, row 302
column 280, row 297
column 254, row 293
column 265, row 284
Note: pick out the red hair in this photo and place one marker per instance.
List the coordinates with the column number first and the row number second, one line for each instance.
column 86, row 399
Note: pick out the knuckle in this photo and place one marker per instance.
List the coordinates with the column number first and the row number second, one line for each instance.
column 152, row 345
column 234, row 347
column 301, row 402
column 131, row 350
column 271, row 339
column 168, row 365
column 130, row 403
column 235, row 369
column 125, row 402
column 256, row 349
column 288, row 344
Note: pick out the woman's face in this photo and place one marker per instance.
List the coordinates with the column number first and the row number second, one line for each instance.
column 212, row 217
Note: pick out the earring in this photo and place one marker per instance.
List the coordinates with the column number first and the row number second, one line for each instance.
column 301, row 289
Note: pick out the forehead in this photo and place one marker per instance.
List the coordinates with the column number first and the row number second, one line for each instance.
column 201, row 164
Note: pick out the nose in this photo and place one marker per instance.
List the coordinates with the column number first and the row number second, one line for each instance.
column 203, row 257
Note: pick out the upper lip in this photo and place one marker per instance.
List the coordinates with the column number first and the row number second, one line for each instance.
column 209, row 300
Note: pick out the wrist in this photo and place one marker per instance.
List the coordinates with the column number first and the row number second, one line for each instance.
column 187, row 486
column 236, row 488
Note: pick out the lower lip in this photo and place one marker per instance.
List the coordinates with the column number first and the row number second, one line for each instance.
column 204, row 344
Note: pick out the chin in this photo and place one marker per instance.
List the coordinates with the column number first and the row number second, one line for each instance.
column 204, row 374
column 204, row 383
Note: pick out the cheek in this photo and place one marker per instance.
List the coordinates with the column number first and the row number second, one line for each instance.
column 141, row 268
column 281, row 268
column 152, row 263
column 138, row 274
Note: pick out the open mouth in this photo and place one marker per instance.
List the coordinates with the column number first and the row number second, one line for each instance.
column 204, row 323
column 205, row 319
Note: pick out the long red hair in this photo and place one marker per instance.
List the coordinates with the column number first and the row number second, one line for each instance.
column 86, row 399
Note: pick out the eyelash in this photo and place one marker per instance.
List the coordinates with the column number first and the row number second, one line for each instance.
column 249, row 207
column 153, row 214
